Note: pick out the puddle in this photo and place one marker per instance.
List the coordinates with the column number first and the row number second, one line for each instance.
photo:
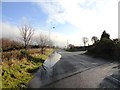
column 43, row 75
column 52, row 60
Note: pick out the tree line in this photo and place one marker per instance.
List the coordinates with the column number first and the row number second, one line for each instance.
column 26, row 40
column 105, row 47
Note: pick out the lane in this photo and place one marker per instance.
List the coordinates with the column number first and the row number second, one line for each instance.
column 87, row 79
column 70, row 63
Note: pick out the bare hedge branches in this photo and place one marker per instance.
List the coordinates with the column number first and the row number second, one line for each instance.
column 8, row 44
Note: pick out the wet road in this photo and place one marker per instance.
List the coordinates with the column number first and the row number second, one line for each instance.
column 91, row 78
column 72, row 70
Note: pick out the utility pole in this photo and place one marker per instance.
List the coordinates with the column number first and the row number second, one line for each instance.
column 50, row 41
column 67, row 43
column 49, row 38
column 50, row 35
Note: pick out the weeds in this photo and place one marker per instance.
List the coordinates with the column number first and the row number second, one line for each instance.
column 17, row 70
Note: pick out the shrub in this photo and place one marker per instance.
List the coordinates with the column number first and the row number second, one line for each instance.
column 117, row 50
column 106, row 46
column 8, row 45
column 103, row 48
column 13, row 55
column 24, row 53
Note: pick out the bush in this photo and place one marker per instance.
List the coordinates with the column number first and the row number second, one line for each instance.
column 6, row 56
column 24, row 53
column 117, row 50
column 8, row 45
column 104, row 48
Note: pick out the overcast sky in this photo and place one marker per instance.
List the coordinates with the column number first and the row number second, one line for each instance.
column 72, row 19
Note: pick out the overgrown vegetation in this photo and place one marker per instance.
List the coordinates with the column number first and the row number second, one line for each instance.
column 76, row 48
column 106, row 48
column 18, row 66
column 20, row 59
column 8, row 45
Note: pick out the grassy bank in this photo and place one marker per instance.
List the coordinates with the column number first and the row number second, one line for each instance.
column 18, row 68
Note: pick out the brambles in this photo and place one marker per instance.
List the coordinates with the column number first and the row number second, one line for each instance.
column 8, row 44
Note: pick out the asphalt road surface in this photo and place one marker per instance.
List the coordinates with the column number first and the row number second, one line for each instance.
column 73, row 70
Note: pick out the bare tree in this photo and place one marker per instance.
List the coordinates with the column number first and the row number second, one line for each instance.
column 94, row 39
column 42, row 42
column 85, row 40
column 71, row 46
column 26, row 32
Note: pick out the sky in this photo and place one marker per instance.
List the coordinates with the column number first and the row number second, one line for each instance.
column 72, row 19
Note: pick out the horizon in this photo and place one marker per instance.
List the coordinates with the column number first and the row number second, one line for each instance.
column 72, row 21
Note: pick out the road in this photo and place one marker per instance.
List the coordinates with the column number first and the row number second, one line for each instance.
column 73, row 70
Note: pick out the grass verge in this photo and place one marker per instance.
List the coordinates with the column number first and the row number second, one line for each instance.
column 16, row 73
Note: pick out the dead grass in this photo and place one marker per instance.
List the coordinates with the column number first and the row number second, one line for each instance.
column 16, row 73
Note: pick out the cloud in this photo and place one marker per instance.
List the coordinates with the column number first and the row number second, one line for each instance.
column 54, row 10
column 58, row 38
column 9, row 30
column 90, row 16
column 18, row 0
column 12, row 32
